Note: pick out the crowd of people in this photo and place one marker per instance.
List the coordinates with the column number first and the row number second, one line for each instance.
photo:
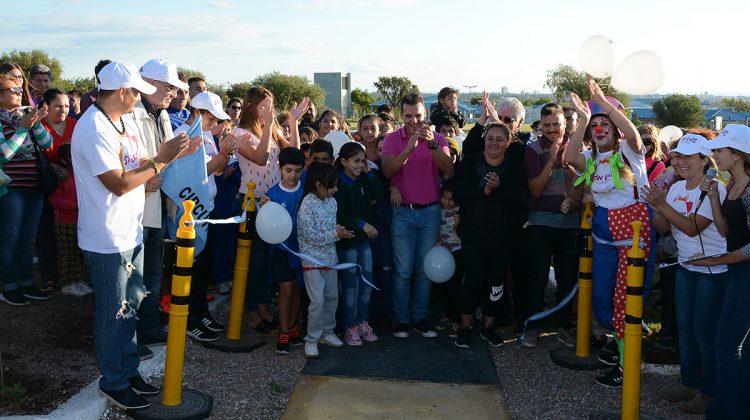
column 80, row 189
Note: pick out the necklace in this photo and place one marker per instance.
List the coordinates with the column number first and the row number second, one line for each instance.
column 122, row 123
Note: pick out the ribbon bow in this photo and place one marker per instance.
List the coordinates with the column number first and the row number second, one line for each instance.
column 616, row 163
column 588, row 172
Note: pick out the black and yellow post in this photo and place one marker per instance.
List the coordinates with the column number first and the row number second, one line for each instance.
column 581, row 358
column 631, row 377
column 173, row 402
column 234, row 342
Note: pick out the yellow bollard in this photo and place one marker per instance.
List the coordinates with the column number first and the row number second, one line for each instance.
column 178, row 313
column 585, row 278
column 631, row 380
column 241, row 265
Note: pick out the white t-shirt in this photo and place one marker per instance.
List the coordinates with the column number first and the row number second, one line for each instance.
column 603, row 187
column 107, row 224
column 685, row 201
column 209, row 146
column 265, row 176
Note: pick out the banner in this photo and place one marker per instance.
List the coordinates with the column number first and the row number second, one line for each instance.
column 186, row 179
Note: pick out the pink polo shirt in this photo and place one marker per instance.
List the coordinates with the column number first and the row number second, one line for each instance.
column 419, row 178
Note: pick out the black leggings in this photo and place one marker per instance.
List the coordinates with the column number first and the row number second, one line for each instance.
column 484, row 281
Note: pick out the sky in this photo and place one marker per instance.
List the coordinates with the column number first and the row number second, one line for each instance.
column 435, row 43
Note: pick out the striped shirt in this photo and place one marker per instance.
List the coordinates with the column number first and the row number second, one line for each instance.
column 19, row 157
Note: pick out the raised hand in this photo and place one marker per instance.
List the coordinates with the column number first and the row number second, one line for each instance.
column 268, row 113
column 596, row 92
column 657, row 197
column 298, row 110
column 30, row 118
column 581, row 108
column 169, row 150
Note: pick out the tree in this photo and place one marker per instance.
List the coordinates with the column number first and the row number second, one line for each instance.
column 26, row 59
column 475, row 100
column 680, row 110
column 543, row 100
column 735, row 104
column 188, row 73
column 393, row 88
column 565, row 79
column 84, row 84
column 288, row 89
column 361, row 101
column 238, row 90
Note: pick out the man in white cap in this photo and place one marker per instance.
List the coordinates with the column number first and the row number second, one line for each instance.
column 112, row 166
column 155, row 129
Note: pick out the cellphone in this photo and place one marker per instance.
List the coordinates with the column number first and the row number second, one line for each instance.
column 26, row 110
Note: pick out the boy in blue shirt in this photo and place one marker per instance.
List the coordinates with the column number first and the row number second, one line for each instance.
column 285, row 267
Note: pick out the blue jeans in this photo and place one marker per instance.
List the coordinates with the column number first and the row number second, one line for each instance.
column 355, row 294
column 698, row 299
column 414, row 233
column 118, row 291
column 153, row 258
column 732, row 398
column 20, row 210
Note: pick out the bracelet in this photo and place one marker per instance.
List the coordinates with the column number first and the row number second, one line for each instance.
column 155, row 165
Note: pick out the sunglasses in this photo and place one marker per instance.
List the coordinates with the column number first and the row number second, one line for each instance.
column 14, row 90
column 236, row 108
column 170, row 88
column 647, row 141
column 508, row 120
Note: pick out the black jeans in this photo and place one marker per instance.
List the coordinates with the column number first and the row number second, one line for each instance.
column 486, row 268
column 46, row 245
column 546, row 245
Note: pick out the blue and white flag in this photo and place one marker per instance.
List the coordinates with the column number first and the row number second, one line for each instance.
column 187, row 179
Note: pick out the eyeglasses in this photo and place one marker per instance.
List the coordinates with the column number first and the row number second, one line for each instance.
column 18, row 77
column 170, row 88
column 508, row 120
column 14, row 90
column 647, row 141
column 236, row 108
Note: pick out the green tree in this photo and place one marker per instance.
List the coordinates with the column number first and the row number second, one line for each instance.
column 84, row 84
column 393, row 88
column 565, row 79
column 476, row 100
column 680, row 110
column 26, row 59
column 238, row 89
column 188, row 73
column 288, row 89
column 735, row 104
column 361, row 101
column 542, row 100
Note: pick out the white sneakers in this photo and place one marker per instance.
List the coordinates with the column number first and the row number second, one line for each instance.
column 311, row 350
column 331, row 340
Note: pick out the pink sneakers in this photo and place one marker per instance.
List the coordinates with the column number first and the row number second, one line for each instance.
column 366, row 333
column 351, row 336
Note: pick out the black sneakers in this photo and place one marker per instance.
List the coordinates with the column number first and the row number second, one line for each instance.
column 401, row 330
column 282, row 343
column 33, row 292
column 199, row 331
column 611, row 359
column 211, row 323
column 490, row 336
column 126, row 399
column 423, row 327
column 142, row 387
column 464, row 338
column 14, row 298
column 144, row 353
column 613, row 378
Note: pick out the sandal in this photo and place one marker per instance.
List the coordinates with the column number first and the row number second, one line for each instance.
column 264, row 327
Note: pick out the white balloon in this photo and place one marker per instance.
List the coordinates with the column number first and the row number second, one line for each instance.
column 439, row 265
column 669, row 134
column 598, row 56
column 273, row 223
column 337, row 139
column 641, row 73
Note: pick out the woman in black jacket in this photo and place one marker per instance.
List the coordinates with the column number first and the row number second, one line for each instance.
column 491, row 191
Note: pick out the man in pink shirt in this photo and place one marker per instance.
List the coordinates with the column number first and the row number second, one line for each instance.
column 413, row 157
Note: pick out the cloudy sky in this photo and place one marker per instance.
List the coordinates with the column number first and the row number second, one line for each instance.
column 436, row 43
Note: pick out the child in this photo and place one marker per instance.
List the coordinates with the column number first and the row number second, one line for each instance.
column 317, row 233
column 615, row 169
column 305, row 149
column 69, row 256
column 369, row 132
column 358, row 189
column 447, row 106
column 321, row 151
column 285, row 267
column 449, row 239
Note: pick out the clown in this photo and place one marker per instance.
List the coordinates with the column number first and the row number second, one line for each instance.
column 615, row 170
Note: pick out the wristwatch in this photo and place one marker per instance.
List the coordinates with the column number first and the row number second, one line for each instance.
column 432, row 145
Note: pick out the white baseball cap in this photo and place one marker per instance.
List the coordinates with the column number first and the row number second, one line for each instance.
column 211, row 103
column 119, row 74
column 733, row 135
column 691, row 144
column 163, row 71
